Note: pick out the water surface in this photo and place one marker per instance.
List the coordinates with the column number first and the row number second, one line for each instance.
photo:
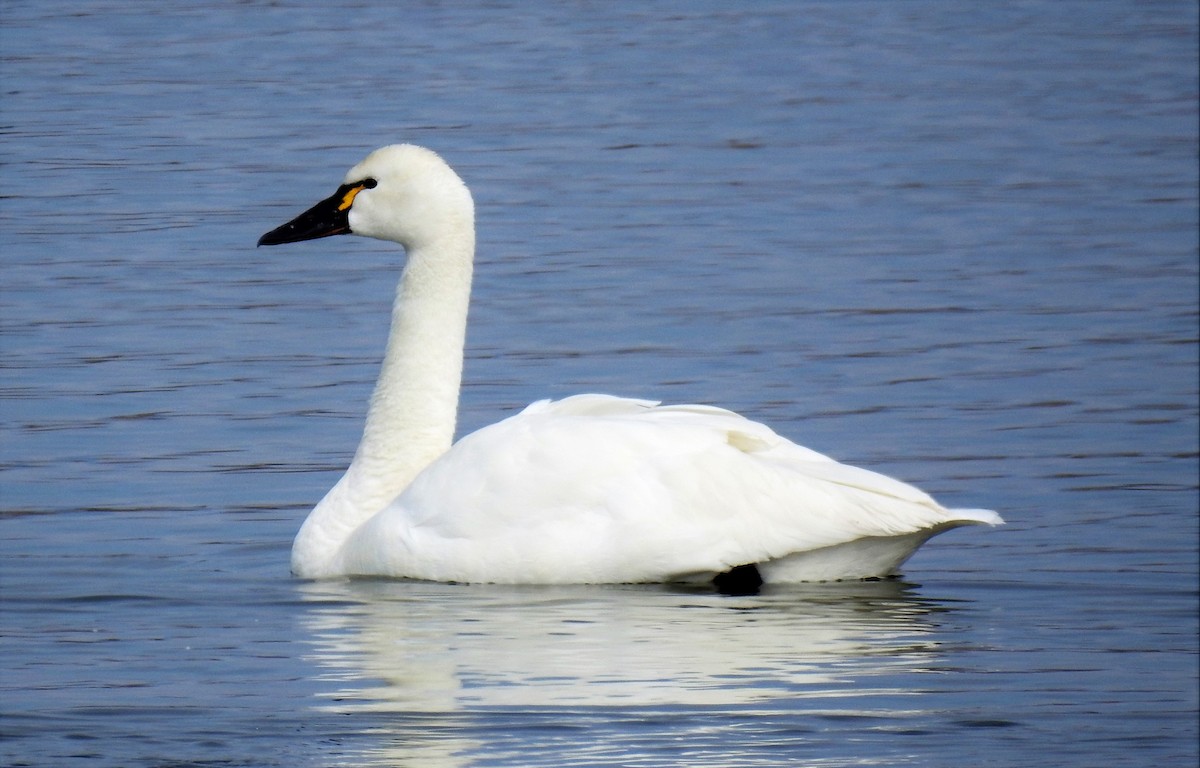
column 955, row 245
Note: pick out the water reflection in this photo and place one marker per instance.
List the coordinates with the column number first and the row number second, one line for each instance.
column 411, row 660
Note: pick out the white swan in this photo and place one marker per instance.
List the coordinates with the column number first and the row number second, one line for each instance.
column 589, row 489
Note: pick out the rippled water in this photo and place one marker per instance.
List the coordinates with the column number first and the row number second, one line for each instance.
column 954, row 244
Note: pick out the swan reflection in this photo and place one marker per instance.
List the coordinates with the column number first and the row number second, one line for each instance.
column 414, row 659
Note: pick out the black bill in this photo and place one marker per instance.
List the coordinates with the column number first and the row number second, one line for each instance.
column 329, row 217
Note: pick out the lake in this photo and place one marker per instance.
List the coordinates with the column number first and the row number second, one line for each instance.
column 953, row 244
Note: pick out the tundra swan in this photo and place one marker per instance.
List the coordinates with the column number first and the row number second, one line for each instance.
column 588, row 489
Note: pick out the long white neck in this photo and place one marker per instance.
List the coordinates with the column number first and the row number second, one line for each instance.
column 413, row 409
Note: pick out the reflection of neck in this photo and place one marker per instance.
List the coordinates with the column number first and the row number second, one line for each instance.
column 413, row 409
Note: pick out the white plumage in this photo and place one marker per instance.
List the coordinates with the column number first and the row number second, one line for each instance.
column 589, row 489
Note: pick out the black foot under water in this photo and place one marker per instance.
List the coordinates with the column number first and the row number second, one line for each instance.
column 739, row 580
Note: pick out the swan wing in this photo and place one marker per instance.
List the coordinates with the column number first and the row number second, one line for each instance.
column 596, row 489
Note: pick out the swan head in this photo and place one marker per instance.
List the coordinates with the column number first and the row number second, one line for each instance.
column 402, row 193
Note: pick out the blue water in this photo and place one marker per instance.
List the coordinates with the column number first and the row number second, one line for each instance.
column 953, row 243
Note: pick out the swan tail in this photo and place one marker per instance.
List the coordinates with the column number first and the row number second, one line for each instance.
column 867, row 557
column 974, row 517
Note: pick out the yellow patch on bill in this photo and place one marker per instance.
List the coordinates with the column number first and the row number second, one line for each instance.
column 348, row 198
